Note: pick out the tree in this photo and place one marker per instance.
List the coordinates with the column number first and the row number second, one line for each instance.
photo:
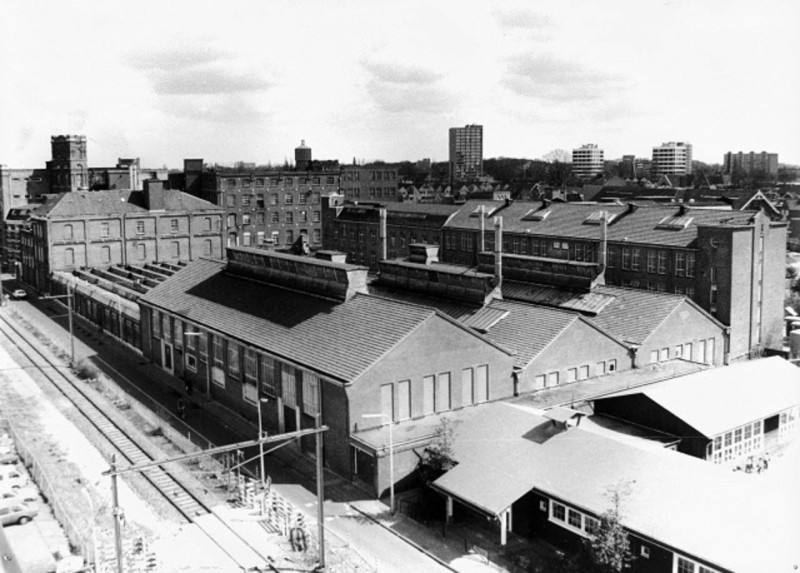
column 438, row 458
column 609, row 548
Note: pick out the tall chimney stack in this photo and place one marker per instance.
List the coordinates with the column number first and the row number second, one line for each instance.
column 498, row 249
column 382, row 233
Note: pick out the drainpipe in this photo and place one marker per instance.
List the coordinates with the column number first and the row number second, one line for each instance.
column 498, row 250
column 382, row 233
column 603, row 255
column 481, row 236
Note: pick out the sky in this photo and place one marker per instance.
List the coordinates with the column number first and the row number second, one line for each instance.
column 247, row 80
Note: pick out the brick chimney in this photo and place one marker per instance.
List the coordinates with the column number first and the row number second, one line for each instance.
column 498, row 249
column 154, row 194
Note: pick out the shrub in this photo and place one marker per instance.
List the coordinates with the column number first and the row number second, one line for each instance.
column 86, row 370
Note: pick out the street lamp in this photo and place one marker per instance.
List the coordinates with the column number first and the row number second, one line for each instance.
column 260, row 443
column 94, row 531
column 69, row 297
column 391, row 456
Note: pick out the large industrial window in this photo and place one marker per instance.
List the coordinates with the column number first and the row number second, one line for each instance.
column 387, row 401
column 177, row 337
column 467, row 397
column 481, row 383
column 233, row 359
column 166, row 327
column 155, row 324
column 219, row 351
column 442, row 392
column 288, row 386
column 311, row 394
column 69, row 257
column 267, row 376
column 427, row 394
column 404, row 400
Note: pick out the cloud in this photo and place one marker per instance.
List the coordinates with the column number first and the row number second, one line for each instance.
column 400, row 73
column 175, row 58
column 230, row 108
column 521, row 18
column 194, row 70
column 401, row 88
column 193, row 82
column 551, row 78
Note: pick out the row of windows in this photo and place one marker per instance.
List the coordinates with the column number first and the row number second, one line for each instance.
column 174, row 251
column 395, row 238
column 685, row 565
column 373, row 192
column 575, row 373
column 260, row 181
column 259, row 372
column 572, row 519
column 275, row 217
column 274, row 199
column 733, row 445
column 274, row 238
column 437, row 393
column 68, row 230
column 702, row 352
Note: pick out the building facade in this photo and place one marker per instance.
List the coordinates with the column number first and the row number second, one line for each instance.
column 587, row 161
column 376, row 182
column 85, row 229
column 68, row 167
column 266, row 207
column 672, row 158
column 750, row 163
column 466, row 152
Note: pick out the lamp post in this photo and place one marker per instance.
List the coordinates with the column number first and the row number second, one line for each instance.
column 261, row 444
column 391, row 456
column 69, row 297
column 94, row 531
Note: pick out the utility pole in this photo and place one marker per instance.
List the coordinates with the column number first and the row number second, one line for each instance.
column 69, row 297
column 117, row 512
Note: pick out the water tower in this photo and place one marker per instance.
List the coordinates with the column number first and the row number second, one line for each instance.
column 302, row 156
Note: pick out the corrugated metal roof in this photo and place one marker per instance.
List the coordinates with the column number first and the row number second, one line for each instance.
column 341, row 340
column 720, row 399
column 663, row 490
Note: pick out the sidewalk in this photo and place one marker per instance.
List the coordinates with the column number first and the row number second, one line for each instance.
column 353, row 520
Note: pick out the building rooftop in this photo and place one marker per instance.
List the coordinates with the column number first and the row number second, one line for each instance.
column 117, row 202
column 337, row 339
column 700, row 509
column 719, row 399
column 630, row 223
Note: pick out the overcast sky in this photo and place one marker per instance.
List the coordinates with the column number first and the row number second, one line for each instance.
column 230, row 80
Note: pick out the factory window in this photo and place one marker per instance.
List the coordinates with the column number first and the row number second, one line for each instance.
column 288, row 199
column 173, row 225
column 246, row 219
column 289, row 237
column 246, row 199
column 428, row 394
column 404, row 400
column 233, row 359
column 105, row 230
column 316, row 236
column 275, row 217
column 690, row 264
column 273, row 199
column 267, row 378
column 206, row 224
column 106, row 254
column 260, row 201
column 246, row 239
column 140, row 227
column 310, row 394
column 651, row 261
column 303, row 216
column 231, row 222
column 315, row 217
column 662, row 262
column 289, row 217
column 207, row 247
column 141, row 249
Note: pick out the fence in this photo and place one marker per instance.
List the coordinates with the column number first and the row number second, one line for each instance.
column 78, row 534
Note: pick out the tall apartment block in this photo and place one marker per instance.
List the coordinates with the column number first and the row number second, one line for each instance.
column 466, row 152
column 672, row 158
column 749, row 163
column 587, row 161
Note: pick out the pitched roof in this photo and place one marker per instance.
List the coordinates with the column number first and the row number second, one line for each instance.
column 341, row 340
column 628, row 314
column 566, row 220
column 701, row 509
column 117, row 202
column 719, row 399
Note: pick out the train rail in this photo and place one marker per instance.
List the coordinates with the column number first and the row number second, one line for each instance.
column 169, row 486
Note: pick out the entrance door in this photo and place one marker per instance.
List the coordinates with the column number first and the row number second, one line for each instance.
column 167, row 362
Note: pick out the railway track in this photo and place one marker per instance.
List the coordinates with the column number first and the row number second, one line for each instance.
column 170, row 487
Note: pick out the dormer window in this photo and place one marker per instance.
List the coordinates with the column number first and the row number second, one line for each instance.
column 674, row 223
column 536, row 215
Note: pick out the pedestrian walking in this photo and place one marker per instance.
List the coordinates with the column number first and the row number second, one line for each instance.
column 181, row 406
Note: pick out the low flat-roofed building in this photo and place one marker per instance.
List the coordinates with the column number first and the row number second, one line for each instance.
column 304, row 333
column 721, row 414
column 541, row 480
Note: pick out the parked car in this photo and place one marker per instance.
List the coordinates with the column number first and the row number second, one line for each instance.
column 23, row 494
column 8, row 458
column 11, row 477
column 19, row 294
column 16, row 512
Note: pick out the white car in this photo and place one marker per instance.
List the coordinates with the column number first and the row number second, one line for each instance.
column 19, row 294
column 12, row 478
